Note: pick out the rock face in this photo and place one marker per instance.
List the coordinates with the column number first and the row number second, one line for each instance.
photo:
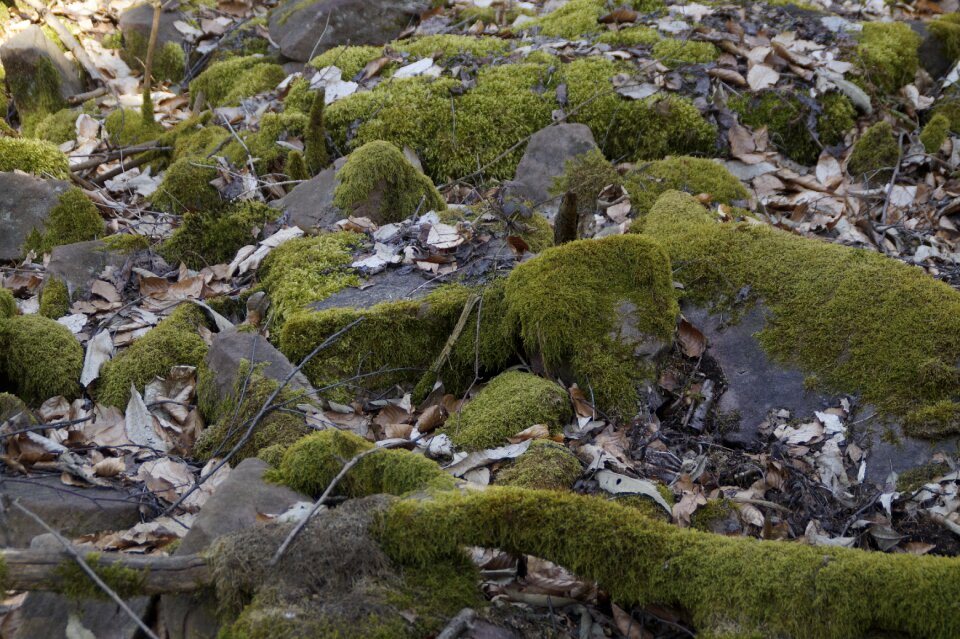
column 545, row 157
column 297, row 26
column 80, row 263
column 37, row 71
column 231, row 347
column 25, row 203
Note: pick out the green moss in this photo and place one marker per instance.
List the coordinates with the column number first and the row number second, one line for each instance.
column 674, row 53
column 169, row 61
column 226, row 83
column 379, row 181
column 42, row 359
column 887, row 55
column 174, row 341
column 126, row 243
column 73, row 582
column 58, row 127
column 299, row 97
column 947, row 30
column 315, row 139
column 36, row 92
column 296, row 167
column 126, row 127
column 186, row 187
column 838, row 116
column 630, row 37
column 214, row 237
column 447, row 46
column 580, row 18
column 350, row 60
column 54, row 299
column 112, row 40
column 8, row 305
column 586, row 175
column 916, row 478
column 950, row 107
column 935, row 133
column 12, row 406
column 693, row 175
column 730, row 586
column 875, row 154
column 546, row 465
column 33, row 156
column 647, row 506
column 848, row 316
column 511, row 402
column 589, row 305
column 196, row 139
column 311, row 464
column 73, row 219
column 713, row 514
column 263, row 144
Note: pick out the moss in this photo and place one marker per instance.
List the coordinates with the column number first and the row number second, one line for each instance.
column 58, row 127
column 8, row 305
column 173, row 342
column 33, row 156
column 916, row 478
column 54, row 299
column 36, row 91
column 112, row 40
column 579, row 18
column 296, row 167
column 42, row 359
column 126, row 243
column 693, row 175
column 586, row 175
column 589, row 305
column 838, row 116
column 887, row 55
column 126, row 127
column 674, row 52
column 196, row 139
column 711, row 516
column 935, row 133
column 73, row 582
column 630, row 37
column 12, row 406
column 214, row 237
column 448, row 46
column 73, row 219
column 875, row 154
column 169, row 61
column 350, row 60
column 377, row 174
column 730, row 586
column 186, row 187
column 315, row 139
column 947, row 29
column 934, row 419
column 858, row 320
column 269, row 156
column 511, row 402
column 646, row 505
column 546, row 465
column 311, row 464
column 228, row 82
column 950, row 107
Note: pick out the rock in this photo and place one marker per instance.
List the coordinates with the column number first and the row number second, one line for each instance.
column 135, row 25
column 310, row 205
column 25, row 203
column 392, row 285
column 71, row 511
column 231, row 347
column 545, row 157
column 39, row 76
column 297, row 26
column 931, row 53
column 79, row 264
column 232, row 508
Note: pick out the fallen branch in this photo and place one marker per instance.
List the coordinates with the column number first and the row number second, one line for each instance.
column 99, row 158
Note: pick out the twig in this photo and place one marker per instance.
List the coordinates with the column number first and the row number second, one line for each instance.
column 147, row 107
column 893, row 180
column 99, row 158
column 80, row 98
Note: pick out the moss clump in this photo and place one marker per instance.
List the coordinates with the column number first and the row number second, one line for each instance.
column 299, row 97
column 263, row 145
column 311, row 464
column 126, row 127
column 214, row 237
column 630, row 37
column 947, row 30
column 851, row 317
column 197, row 139
column 76, row 584
column 126, row 243
column 916, row 478
column 186, row 187
column 950, row 107
column 54, row 299
column 875, row 154
column 379, row 182
column 647, row 505
column 296, row 167
column 41, row 358
column 36, row 93
column 174, row 341
column 448, row 46
column 731, row 586
column 11, row 406
column 73, row 219
column 935, row 133
column 511, row 402
column 8, row 305
column 350, row 60
column 316, row 136
column 674, row 53
column 887, row 55
column 593, row 306
column 586, row 175
column 712, row 516
column 58, row 127
column 226, row 83
column 169, row 61
column 546, row 466
column 580, row 18
column 33, row 156
column 693, row 175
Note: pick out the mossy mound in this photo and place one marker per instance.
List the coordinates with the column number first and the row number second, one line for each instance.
column 228, row 82
column 174, row 341
column 58, row 127
column 935, row 133
column 580, row 18
column 380, row 183
column 11, row 406
column 887, row 55
column 186, row 187
column 511, row 402
column 444, row 46
column 692, row 175
column 214, row 237
column 268, row 155
column 126, row 243
column 350, row 60
column 586, row 175
column 169, row 60
column 875, row 154
column 675, row 52
column 546, row 465
column 947, row 30
column 8, row 305
column 126, row 127
column 596, row 307
column 311, row 464
column 40, row 358
column 54, row 299
column 38, row 157
column 857, row 320
column 73, row 219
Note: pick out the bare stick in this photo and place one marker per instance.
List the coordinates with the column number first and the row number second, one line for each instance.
column 100, row 158
column 148, row 65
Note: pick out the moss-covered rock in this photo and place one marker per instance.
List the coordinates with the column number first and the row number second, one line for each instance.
column 947, row 30
column 857, row 320
column 126, row 243
column 599, row 308
column 186, row 187
column 677, row 52
column 511, row 402
column 380, row 183
column 580, row 18
column 169, row 60
column 586, row 175
column 174, row 341
column 268, row 155
column 8, row 305
column 693, row 175
column 77, row 586
column 887, row 55
column 33, row 156
column 73, row 219
column 546, row 465
column 38, row 75
column 126, row 127
column 350, row 60
column 935, row 133
column 58, row 127
column 10, row 406
column 213, row 237
column 40, row 358
column 226, row 83
column 875, row 154
column 54, row 299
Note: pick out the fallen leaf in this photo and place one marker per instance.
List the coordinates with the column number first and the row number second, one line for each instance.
column 692, row 341
column 537, row 431
column 762, row 77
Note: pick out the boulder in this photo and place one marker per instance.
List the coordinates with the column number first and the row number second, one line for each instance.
column 392, row 285
column 231, row 347
column 39, row 76
column 297, row 25
column 25, row 203
column 135, row 25
column 79, row 264
column 545, row 158
column 931, row 52
column 310, row 205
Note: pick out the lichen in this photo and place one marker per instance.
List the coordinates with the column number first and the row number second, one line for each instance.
column 76, row 584
column 693, row 175
column 887, row 55
column 8, row 305
column 173, row 342
column 73, row 219
column 875, row 154
column 41, row 358
column 57, row 127
column 38, row 157
column 228, row 82
column 54, row 299
column 169, row 61
column 126, row 127
column 677, row 52
column 186, row 187
column 212, row 237
column 947, row 30
column 546, row 465
column 935, row 133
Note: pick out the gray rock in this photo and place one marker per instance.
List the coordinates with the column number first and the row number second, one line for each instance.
column 310, row 204
column 79, row 264
column 232, row 508
column 933, row 57
column 297, row 26
column 135, row 24
column 392, row 285
column 547, row 153
column 25, row 203
column 24, row 57
column 69, row 510
column 231, row 347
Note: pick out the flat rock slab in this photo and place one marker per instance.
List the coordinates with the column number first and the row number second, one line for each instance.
column 25, row 203
column 231, row 347
column 23, row 54
column 79, row 264
column 310, row 204
column 393, row 285
column 545, row 159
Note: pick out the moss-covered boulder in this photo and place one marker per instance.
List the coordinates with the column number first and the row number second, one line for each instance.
column 126, row 127
column 875, row 154
column 212, row 237
column 38, row 157
column 546, row 465
column 186, row 187
column 54, row 298
column 58, row 127
column 226, row 83
column 887, row 55
column 511, row 402
column 692, row 175
column 169, row 59
column 73, row 219
column 39, row 358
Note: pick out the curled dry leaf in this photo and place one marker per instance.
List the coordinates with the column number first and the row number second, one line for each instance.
column 692, row 341
column 431, row 419
column 537, row 431
column 109, row 467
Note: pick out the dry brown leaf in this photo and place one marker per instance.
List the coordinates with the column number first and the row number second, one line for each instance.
column 106, row 290
column 692, row 341
column 537, row 431
column 397, row 431
column 619, row 16
column 517, row 245
column 627, row 625
column 431, row 419
column 109, row 467
column 580, row 404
